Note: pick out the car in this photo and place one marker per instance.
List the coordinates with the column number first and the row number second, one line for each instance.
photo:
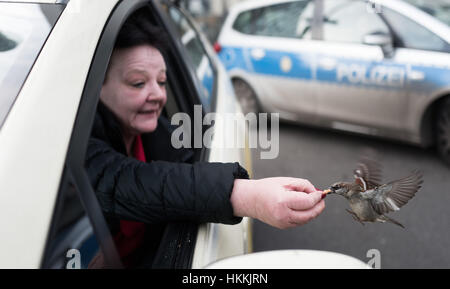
column 379, row 68
column 53, row 60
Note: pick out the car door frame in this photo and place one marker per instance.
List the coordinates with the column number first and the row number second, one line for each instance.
column 352, row 118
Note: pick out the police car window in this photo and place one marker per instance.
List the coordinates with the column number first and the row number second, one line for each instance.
column 197, row 54
column 349, row 21
column 281, row 20
column 413, row 35
column 24, row 27
column 243, row 22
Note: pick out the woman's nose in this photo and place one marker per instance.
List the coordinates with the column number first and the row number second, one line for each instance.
column 156, row 93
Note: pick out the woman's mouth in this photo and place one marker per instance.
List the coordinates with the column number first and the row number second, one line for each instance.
column 149, row 112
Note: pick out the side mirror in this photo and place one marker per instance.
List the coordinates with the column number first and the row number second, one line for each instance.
column 290, row 259
column 384, row 40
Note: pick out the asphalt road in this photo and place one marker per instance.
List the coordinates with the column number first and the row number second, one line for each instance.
column 325, row 157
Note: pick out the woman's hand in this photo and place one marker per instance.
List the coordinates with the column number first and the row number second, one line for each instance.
column 279, row 202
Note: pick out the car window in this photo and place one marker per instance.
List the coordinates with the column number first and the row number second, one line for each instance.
column 24, row 27
column 198, row 56
column 439, row 9
column 72, row 243
column 413, row 35
column 349, row 21
column 290, row 19
column 243, row 22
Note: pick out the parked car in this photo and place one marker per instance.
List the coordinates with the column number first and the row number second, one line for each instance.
column 53, row 58
column 380, row 68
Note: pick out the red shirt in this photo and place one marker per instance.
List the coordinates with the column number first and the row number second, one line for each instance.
column 131, row 235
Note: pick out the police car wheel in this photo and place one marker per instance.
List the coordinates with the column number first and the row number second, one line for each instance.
column 443, row 131
column 246, row 96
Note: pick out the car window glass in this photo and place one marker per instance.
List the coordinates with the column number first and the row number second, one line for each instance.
column 198, row 57
column 439, row 9
column 413, row 35
column 349, row 21
column 72, row 243
column 291, row 20
column 24, row 27
column 243, row 22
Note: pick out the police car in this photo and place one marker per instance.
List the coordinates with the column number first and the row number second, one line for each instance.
column 380, row 67
column 53, row 59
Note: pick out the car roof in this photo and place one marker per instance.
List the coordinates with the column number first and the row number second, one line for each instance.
column 400, row 6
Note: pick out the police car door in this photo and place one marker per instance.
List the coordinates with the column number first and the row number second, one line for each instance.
column 362, row 89
column 272, row 54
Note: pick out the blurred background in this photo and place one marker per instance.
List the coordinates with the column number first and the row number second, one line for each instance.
column 344, row 76
column 209, row 14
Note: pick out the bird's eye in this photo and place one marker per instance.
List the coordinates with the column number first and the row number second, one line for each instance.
column 335, row 187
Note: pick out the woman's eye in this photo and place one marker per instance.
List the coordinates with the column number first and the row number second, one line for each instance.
column 138, row 84
column 162, row 83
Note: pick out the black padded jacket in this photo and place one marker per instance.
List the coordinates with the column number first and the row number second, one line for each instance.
column 169, row 188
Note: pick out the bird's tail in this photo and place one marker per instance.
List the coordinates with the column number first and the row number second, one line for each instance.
column 390, row 220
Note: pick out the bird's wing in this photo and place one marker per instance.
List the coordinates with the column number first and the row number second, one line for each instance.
column 370, row 171
column 392, row 196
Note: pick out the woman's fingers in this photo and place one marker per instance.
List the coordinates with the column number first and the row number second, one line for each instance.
column 302, row 201
column 279, row 202
column 300, row 185
column 302, row 217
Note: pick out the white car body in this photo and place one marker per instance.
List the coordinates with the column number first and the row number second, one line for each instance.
column 45, row 112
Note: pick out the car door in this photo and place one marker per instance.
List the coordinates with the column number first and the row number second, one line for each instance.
column 215, row 95
column 362, row 87
column 273, row 44
column 427, row 59
column 79, row 235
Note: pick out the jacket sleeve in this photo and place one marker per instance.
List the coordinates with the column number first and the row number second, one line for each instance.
column 161, row 192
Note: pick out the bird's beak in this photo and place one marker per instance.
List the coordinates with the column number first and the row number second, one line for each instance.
column 328, row 191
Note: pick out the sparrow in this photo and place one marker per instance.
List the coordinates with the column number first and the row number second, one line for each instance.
column 369, row 199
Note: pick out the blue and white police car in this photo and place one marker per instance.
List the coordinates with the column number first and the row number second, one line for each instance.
column 376, row 67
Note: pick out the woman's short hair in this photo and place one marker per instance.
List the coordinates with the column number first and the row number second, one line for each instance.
column 138, row 30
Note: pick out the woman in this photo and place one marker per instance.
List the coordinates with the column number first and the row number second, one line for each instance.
column 141, row 180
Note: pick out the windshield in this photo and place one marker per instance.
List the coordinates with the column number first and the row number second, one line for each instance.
column 24, row 28
column 437, row 8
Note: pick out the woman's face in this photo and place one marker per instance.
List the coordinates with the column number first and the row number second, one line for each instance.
column 135, row 88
